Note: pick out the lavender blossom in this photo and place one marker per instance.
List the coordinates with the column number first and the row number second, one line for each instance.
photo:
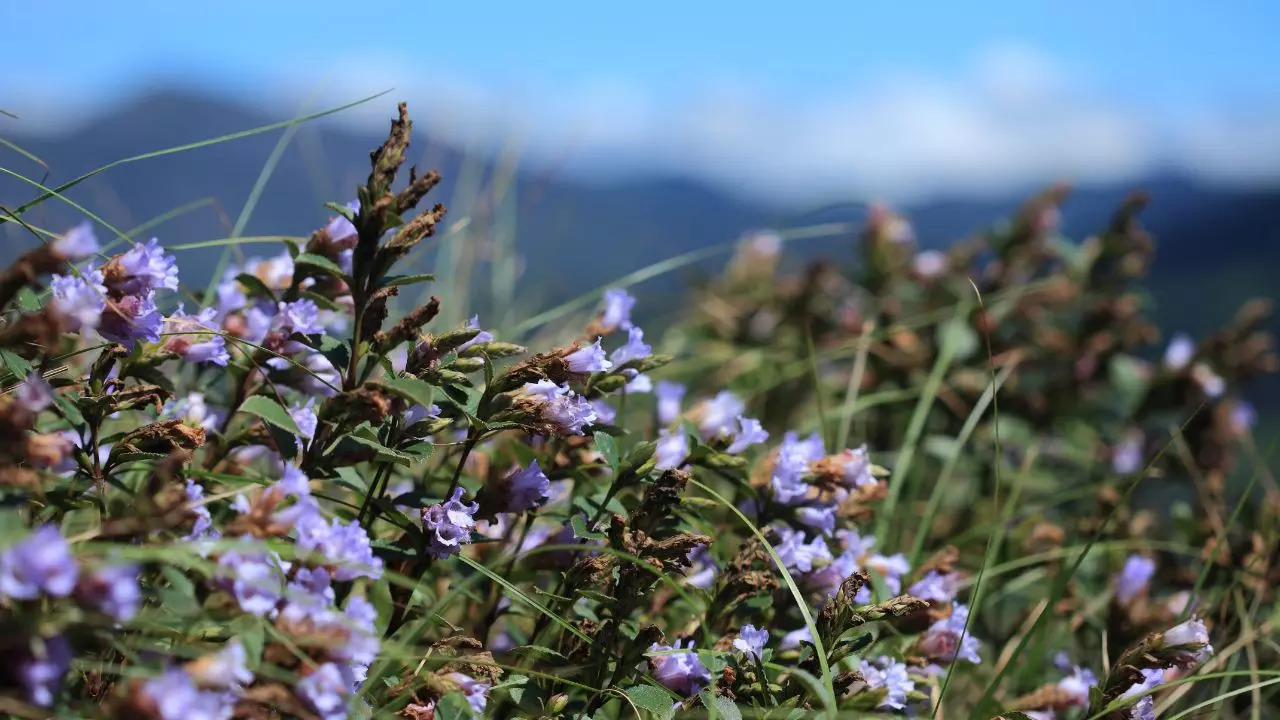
column 749, row 432
column 326, row 690
column 681, row 672
column 528, row 488
column 194, row 411
column 1144, row 709
column 936, row 587
column 792, row 465
column 300, row 316
column 255, row 579
column 635, row 348
column 796, row 554
column 41, row 564
column 417, row 414
column 793, row 639
column 448, row 525
column 141, row 270
column 483, row 336
column 1134, row 578
column 700, row 558
column 226, row 669
column 1075, row 687
column 40, row 669
column 340, row 230
column 1243, row 417
column 672, row 449
column 131, row 319
column 669, row 396
column 890, row 676
column 588, row 359
column 605, row 414
column 194, row 338
column 33, row 394
column 77, row 244
column 561, row 406
column 344, row 546
column 304, row 416
column 1126, row 457
column 1180, row 352
column 617, row 310
column 929, row 263
column 818, row 517
column 78, row 301
column 719, row 415
column 857, row 468
column 112, row 590
column 176, row 697
column 638, row 384
column 751, row 641
column 203, row 527
column 947, row 641
column 476, row 691
column 1191, row 634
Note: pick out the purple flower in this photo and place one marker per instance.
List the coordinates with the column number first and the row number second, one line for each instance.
column 448, row 525
column 340, row 230
column 33, row 394
column 40, row 564
column 1134, row 578
column 821, row 518
column 700, row 557
column 1126, row 457
column 1181, row 350
column 528, row 489
column 561, row 406
column 40, row 669
column 483, row 336
column 1144, row 709
column 476, row 692
column 605, row 414
column 254, row 578
column 639, row 382
column 681, row 672
column 304, row 416
column 827, row 579
column 1211, row 383
column 226, row 669
column 633, row 350
column 344, row 546
column 176, row 697
column 417, row 413
column 720, row 415
column 947, row 641
column 326, row 690
column 669, row 396
column 203, row 527
column 143, row 269
column 750, row 432
column 79, row 301
column 299, row 316
column 361, row 646
column 1243, row 417
column 78, row 243
column 857, row 468
column 194, row 338
column 891, row 676
column 194, row 411
column 751, row 640
column 929, row 263
column 588, row 359
column 936, row 587
column 796, row 554
column 672, row 449
column 131, row 319
column 1076, row 686
column 792, row 465
column 617, row 309
column 1191, row 633
column 112, row 590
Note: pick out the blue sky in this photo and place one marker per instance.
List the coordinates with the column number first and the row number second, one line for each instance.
column 699, row 86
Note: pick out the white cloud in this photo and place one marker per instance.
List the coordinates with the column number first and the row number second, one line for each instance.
column 1013, row 118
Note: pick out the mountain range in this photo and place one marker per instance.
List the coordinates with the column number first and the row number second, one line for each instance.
column 1217, row 245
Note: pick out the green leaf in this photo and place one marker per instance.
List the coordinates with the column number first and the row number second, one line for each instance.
column 454, row 706
column 322, row 302
column 342, row 210
column 608, row 448
column 962, row 337
column 656, row 702
column 382, row 451
column 412, row 389
column 1129, row 376
column 28, row 301
column 319, row 262
column 16, row 364
column 399, row 280
column 580, row 530
column 270, row 411
column 254, row 285
column 248, row 629
column 539, row 652
column 179, row 596
column 720, row 707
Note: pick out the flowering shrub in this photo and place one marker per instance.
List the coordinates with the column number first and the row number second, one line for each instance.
column 288, row 502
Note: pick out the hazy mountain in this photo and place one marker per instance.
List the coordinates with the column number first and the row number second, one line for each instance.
column 1217, row 246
